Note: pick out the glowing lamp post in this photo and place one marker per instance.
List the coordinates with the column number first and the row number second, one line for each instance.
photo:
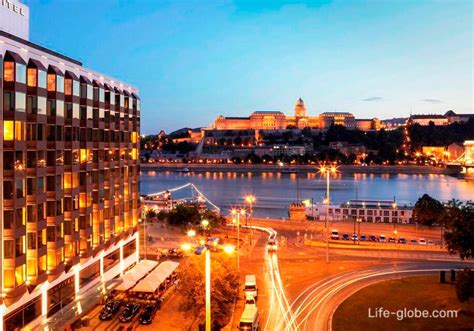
column 236, row 216
column 327, row 171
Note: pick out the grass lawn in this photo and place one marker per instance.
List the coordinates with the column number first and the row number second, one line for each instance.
column 412, row 292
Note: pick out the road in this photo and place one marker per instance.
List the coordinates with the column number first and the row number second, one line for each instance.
column 314, row 307
column 312, row 290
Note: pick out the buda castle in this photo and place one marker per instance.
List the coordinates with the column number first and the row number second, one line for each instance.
column 276, row 120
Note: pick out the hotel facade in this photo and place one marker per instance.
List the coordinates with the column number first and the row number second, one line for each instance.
column 70, row 174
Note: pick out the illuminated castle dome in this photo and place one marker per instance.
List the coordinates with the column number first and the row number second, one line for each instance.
column 300, row 109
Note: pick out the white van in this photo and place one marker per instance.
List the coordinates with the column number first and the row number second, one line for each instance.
column 250, row 286
column 334, row 234
column 249, row 321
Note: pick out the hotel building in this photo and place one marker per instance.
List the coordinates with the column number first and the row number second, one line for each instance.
column 70, row 173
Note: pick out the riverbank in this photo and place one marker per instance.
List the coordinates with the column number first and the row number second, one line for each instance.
column 256, row 168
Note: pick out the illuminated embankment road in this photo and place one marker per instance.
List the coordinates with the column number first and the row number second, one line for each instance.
column 314, row 307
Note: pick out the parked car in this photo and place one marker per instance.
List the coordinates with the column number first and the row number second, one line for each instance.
column 334, row 234
column 392, row 240
column 131, row 309
column 402, row 241
column 354, row 237
column 413, row 242
column 431, row 243
column 422, row 241
column 109, row 310
column 372, row 238
column 147, row 315
column 382, row 238
column 214, row 243
column 199, row 250
column 363, row 237
column 345, row 236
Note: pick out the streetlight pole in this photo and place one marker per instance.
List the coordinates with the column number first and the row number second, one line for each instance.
column 237, row 213
column 208, row 290
column 327, row 171
column 250, row 199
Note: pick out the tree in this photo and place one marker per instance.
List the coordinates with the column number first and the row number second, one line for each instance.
column 428, row 210
column 224, row 288
column 183, row 215
column 465, row 286
column 459, row 236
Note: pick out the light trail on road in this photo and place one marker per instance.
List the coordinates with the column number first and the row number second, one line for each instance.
column 314, row 306
column 279, row 313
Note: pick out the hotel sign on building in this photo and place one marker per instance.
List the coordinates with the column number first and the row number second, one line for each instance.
column 14, row 18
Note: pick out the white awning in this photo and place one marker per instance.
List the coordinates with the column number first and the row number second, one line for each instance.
column 139, row 271
column 153, row 281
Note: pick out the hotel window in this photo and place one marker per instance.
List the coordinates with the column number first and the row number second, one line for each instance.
column 68, row 110
column 9, row 249
column 75, row 111
column 8, row 217
column 8, row 130
column 68, row 86
column 20, row 102
column 30, row 186
column 96, row 93
column 41, row 106
column 122, row 100
column 40, row 185
column 19, row 248
column 31, row 213
column 21, row 73
column 9, row 71
column 90, row 92
column 60, row 83
column 51, row 107
column 42, row 79
column 8, row 102
column 31, row 104
column 31, row 240
column 8, row 160
column 83, row 93
column 60, row 108
column 101, row 95
column 52, row 82
column 19, row 188
column 32, row 77
column 76, row 88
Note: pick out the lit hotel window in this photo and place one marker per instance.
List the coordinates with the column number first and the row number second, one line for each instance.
column 9, row 71
column 32, row 77
column 8, row 130
column 51, row 82
column 68, row 86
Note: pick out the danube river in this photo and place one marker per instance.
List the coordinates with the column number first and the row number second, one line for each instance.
column 275, row 191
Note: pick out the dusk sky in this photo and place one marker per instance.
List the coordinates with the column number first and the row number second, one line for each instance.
column 194, row 60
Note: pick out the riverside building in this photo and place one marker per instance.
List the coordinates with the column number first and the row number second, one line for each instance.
column 70, row 192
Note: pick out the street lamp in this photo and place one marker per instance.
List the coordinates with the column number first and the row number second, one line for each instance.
column 359, row 220
column 236, row 213
column 327, row 171
column 191, row 233
column 207, row 253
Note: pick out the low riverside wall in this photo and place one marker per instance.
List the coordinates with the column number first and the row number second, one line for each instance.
column 373, row 246
column 410, row 169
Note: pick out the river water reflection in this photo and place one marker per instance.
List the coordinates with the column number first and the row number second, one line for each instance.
column 275, row 191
